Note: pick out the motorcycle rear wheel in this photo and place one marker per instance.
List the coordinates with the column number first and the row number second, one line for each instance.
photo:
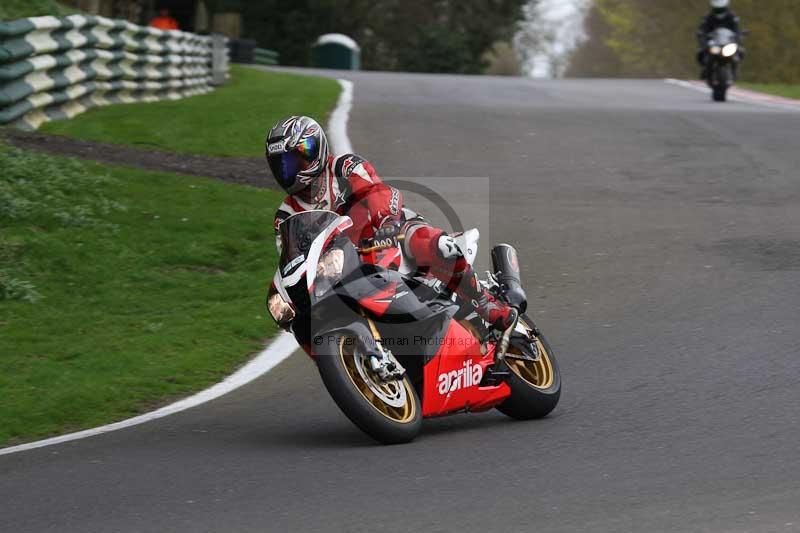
column 389, row 412
column 535, row 385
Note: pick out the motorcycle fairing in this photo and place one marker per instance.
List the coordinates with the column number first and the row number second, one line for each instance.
column 292, row 269
column 416, row 340
column 406, row 323
column 389, row 258
column 452, row 378
column 721, row 37
column 384, row 293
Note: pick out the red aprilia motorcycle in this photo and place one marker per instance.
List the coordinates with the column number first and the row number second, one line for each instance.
column 392, row 345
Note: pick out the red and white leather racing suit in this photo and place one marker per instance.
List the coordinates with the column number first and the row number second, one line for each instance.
column 350, row 186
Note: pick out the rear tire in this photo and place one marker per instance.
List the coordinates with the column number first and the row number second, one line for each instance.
column 389, row 412
column 535, row 386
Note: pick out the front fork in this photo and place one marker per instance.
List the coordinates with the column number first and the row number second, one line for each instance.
column 383, row 363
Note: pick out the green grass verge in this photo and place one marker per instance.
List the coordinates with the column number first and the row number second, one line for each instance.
column 231, row 121
column 17, row 9
column 121, row 289
column 778, row 89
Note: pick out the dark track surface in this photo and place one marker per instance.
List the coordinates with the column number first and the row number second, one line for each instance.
column 660, row 241
column 240, row 170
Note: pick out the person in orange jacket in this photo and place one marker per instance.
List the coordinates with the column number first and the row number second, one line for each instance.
column 164, row 21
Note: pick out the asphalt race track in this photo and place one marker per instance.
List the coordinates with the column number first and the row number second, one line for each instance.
column 659, row 236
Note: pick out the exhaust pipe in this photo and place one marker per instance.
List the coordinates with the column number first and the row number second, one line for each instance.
column 506, row 267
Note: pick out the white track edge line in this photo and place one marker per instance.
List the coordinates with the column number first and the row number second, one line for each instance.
column 278, row 349
column 687, row 85
column 337, row 126
column 734, row 97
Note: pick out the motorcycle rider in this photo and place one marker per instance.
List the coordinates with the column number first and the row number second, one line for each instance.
column 299, row 159
column 721, row 16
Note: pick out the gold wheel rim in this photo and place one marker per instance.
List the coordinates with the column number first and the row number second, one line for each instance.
column 403, row 414
column 538, row 374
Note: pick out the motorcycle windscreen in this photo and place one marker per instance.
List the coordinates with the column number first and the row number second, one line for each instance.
column 297, row 234
column 723, row 36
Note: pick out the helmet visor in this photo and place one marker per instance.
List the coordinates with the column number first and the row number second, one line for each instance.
column 286, row 166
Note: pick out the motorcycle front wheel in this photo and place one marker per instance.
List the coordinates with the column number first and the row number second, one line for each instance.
column 388, row 411
column 719, row 90
column 535, row 384
column 720, row 93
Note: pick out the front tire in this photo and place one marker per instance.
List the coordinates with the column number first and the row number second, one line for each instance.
column 535, row 385
column 389, row 412
column 719, row 93
column 723, row 77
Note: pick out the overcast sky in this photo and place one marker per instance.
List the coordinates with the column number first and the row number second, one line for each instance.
column 565, row 17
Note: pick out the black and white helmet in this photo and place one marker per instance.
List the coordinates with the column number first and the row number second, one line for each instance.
column 720, row 5
column 297, row 151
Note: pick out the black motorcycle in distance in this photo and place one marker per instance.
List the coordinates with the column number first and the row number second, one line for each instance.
column 722, row 56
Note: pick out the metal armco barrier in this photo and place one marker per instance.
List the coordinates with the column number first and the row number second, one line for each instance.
column 54, row 68
column 262, row 56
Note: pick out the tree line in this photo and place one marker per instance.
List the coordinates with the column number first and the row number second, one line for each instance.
column 447, row 36
column 656, row 38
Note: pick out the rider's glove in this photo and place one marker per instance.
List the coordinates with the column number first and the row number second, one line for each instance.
column 386, row 236
column 389, row 231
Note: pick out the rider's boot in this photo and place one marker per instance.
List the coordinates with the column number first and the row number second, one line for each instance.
column 492, row 310
column 441, row 254
column 464, row 282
